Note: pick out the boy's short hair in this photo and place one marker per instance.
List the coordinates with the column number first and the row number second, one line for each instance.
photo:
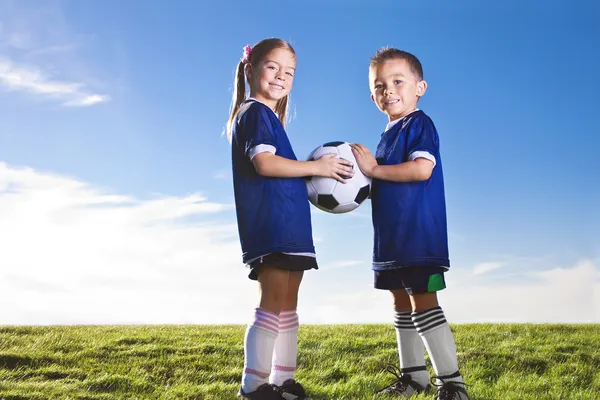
column 390, row 53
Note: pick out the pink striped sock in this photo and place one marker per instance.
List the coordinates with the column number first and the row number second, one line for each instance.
column 258, row 349
column 286, row 348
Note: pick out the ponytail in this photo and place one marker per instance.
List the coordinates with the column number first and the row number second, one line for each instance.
column 239, row 95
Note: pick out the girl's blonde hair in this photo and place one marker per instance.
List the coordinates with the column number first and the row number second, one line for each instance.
column 254, row 56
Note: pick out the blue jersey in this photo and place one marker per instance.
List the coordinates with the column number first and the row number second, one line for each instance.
column 409, row 219
column 273, row 214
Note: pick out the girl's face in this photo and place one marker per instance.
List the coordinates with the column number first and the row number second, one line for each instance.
column 272, row 78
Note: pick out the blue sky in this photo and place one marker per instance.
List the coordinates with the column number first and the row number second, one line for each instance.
column 115, row 182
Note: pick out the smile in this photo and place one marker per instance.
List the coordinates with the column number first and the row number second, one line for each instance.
column 391, row 102
column 276, row 86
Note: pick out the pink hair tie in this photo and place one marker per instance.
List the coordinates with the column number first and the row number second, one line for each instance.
column 246, row 56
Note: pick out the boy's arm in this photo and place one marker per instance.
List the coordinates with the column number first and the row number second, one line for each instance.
column 410, row 171
column 271, row 165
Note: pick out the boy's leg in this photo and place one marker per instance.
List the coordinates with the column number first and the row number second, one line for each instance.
column 411, row 350
column 431, row 324
column 260, row 336
column 286, row 344
column 412, row 378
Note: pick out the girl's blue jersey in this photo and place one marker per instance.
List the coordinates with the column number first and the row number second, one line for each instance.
column 273, row 214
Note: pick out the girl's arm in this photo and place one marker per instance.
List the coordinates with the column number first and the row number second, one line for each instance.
column 271, row 165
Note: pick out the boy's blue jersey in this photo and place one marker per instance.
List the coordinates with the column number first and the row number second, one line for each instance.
column 409, row 219
column 273, row 214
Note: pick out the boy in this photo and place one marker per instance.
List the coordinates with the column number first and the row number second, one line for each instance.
column 409, row 218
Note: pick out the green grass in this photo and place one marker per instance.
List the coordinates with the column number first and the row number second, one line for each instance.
column 335, row 362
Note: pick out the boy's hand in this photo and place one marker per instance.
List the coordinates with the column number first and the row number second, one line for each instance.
column 364, row 158
column 332, row 167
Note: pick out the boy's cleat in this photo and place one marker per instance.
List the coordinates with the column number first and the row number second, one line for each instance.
column 264, row 392
column 403, row 385
column 292, row 390
column 450, row 390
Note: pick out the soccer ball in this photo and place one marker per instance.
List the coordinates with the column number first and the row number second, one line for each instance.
column 330, row 195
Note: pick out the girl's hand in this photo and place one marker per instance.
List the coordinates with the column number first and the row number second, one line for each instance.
column 364, row 158
column 332, row 167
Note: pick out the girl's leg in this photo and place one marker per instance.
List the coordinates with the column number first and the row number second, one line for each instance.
column 286, row 344
column 260, row 336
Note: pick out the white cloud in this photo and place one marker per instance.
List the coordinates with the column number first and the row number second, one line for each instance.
column 35, row 39
column 31, row 79
column 563, row 294
column 73, row 253
column 486, row 267
column 560, row 295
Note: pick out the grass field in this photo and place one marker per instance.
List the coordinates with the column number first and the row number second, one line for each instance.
column 335, row 362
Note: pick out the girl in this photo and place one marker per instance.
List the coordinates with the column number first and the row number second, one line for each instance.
column 273, row 215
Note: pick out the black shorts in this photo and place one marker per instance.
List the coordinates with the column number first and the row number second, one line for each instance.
column 288, row 262
column 413, row 279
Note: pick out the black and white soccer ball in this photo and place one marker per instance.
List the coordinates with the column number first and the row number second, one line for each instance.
column 330, row 195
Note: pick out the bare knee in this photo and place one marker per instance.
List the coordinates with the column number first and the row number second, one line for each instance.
column 424, row 301
column 401, row 300
column 291, row 297
column 273, row 283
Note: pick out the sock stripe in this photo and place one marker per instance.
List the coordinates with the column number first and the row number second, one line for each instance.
column 431, row 327
column 449, row 376
column 267, row 315
column 288, row 327
column 405, row 327
column 251, row 371
column 288, row 319
column 434, row 318
column 268, row 328
column 430, row 310
column 282, row 368
column 268, row 323
column 413, row 369
column 421, row 315
column 422, row 320
column 403, row 321
column 428, row 320
column 266, row 320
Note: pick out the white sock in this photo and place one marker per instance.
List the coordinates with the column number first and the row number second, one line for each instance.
column 258, row 349
column 437, row 336
column 410, row 348
column 286, row 348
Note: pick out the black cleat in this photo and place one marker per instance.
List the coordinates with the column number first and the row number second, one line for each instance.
column 450, row 390
column 403, row 385
column 292, row 390
column 264, row 392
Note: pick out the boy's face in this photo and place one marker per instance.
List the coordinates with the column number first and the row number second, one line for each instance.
column 395, row 88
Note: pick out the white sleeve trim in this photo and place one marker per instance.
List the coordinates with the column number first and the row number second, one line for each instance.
column 421, row 154
column 261, row 148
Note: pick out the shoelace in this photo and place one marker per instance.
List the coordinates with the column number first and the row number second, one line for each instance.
column 447, row 390
column 402, row 380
